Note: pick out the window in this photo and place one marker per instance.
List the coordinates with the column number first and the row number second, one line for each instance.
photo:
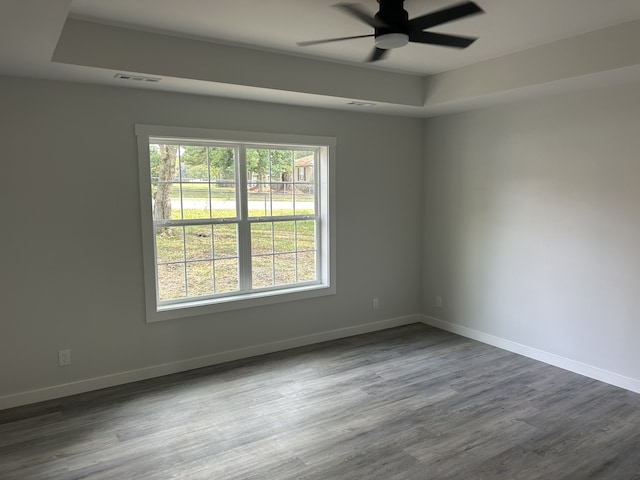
column 233, row 219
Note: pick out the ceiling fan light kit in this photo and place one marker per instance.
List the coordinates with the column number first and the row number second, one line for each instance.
column 393, row 28
column 391, row 40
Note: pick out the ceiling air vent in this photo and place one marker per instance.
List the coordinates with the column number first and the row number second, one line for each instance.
column 137, row 78
column 356, row 103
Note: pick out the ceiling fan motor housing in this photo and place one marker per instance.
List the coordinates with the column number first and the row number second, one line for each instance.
column 395, row 34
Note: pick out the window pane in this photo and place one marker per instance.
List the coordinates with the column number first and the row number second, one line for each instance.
column 282, row 182
column 225, row 241
column 305, row 235
column 282, row 169
column 284, row 237
column 259, row 201
column 175, row 201
column 262, row 271
column 304, row 199
column 163, row 162
column 195, row 200
column 226, row 272
column 222, row 168
column 199, row 278
column 304, row 183
column 165, row 201
column 306, row 266
column 258, row 174
column 261, row 238
column 193, row 164
column 223, row 200
column 285, row 269
column 198, row 242
column 164, row 166
column 171, row 283
column 222, row 163
column 282, row 202
column 303, row 167
column 169, row 244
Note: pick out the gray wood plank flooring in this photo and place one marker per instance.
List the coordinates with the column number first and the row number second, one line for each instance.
column 408, row 403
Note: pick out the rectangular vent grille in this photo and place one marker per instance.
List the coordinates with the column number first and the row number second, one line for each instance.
column 137, row 78
column 357, row 103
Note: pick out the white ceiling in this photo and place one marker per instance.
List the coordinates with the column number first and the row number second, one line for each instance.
column 524, row 46
column 508, row 25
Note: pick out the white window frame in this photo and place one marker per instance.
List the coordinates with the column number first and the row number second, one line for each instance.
column 326, row 251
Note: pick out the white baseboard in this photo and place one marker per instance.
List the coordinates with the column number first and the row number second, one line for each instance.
column 590, row 371
column 81, row 386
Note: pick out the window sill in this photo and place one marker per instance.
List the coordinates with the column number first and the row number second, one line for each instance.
column 257, row 299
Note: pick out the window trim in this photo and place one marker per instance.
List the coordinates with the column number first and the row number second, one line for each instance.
column 326, row 204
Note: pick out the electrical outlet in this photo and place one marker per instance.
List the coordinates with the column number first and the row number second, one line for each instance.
column 64, row 357
column 376, row 304
column 438, row 301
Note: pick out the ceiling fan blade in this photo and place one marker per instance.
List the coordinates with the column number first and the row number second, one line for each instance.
column 329, row 40
column 441, row 39
column 377, row 54
column 355, row 10
column 445, row 15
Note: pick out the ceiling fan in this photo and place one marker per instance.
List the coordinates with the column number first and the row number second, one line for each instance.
column 393, row 29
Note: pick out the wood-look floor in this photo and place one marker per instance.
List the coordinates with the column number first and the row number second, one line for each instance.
column 406, row 403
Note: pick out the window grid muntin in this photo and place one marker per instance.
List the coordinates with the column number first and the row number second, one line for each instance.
column 242, row 219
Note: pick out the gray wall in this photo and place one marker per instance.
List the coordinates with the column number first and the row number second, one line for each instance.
column 71, row 249
column 525, row 219
column 532, row 227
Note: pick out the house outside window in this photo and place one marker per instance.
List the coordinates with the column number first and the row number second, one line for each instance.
column 304, row 169
column 234, row 219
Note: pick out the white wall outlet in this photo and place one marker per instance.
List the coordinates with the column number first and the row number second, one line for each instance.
column 438, row 301
column 376, row 304
column 64, row 357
